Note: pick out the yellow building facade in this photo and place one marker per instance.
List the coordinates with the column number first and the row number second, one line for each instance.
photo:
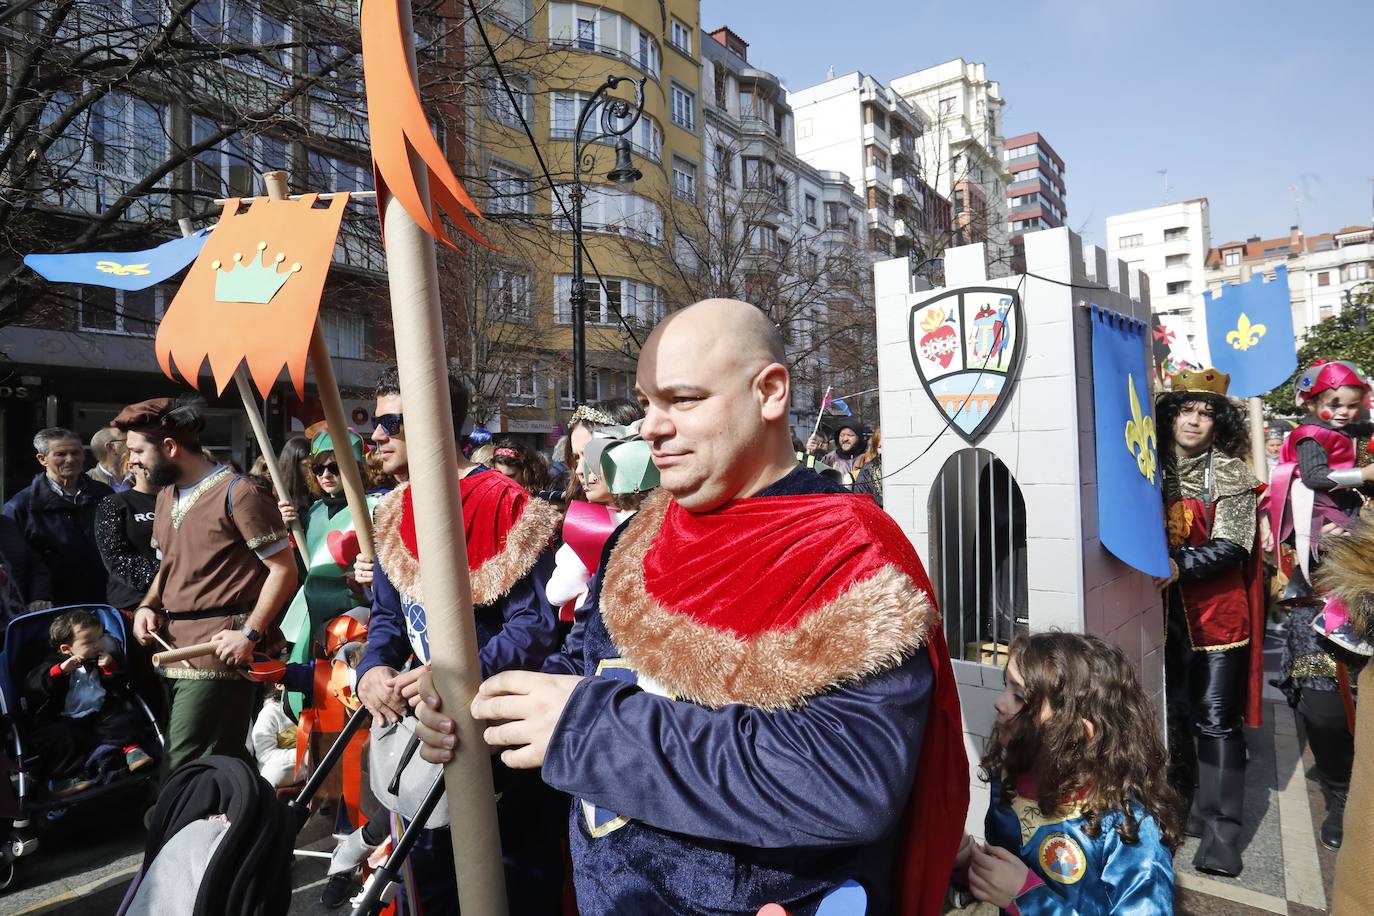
column 554, row 55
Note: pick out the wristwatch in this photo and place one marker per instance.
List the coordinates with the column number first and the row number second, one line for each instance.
column 251, row 634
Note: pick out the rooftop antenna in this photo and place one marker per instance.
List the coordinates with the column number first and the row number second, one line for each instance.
column 1297, row 206
column 1165, row 174
column 830, row 75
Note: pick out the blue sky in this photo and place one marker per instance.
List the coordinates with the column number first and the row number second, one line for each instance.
column 1240, row 102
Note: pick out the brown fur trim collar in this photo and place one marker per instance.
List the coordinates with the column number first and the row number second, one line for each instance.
column 525, row 541
column 865, row 631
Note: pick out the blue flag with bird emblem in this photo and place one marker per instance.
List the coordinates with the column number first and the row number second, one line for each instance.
column 1250, row 333
column 126, row 270
column 1130, row 499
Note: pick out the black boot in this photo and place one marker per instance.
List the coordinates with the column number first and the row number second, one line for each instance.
column 1220, row 804
column 1333, row 829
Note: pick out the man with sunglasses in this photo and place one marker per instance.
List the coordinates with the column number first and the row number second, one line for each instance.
column 508, row 544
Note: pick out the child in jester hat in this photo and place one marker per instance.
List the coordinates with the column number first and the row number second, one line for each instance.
column 1082, row 818
column 1323, row 453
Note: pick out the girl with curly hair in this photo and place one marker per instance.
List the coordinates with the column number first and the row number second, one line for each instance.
column 1082, row 817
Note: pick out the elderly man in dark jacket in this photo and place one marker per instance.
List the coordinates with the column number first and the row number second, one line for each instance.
column 56, row 513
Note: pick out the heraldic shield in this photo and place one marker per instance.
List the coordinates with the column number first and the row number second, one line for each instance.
column 966, row 345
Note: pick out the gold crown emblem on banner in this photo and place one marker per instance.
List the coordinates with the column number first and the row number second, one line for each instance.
column 1203, row 381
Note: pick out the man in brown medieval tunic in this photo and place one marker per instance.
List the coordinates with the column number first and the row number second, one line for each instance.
column 227, row 570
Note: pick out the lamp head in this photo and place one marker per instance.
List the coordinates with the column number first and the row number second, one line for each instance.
column 624, row 174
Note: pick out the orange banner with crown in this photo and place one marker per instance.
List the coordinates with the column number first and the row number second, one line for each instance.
column 253, row 294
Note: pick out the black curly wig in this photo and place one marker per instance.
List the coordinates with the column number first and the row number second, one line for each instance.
column 1232, row 432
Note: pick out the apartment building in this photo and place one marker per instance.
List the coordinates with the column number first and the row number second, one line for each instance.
column 1325, row 271
column 1169, row 244
column 1036, row 192
column 855, row 125
column 798, row 220
column 557, row 55
column 961, row 148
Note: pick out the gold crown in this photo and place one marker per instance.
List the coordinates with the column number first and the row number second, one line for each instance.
column 1203, row 381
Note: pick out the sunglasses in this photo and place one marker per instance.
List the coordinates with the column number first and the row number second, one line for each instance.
column 391, row 422
column 332, row 467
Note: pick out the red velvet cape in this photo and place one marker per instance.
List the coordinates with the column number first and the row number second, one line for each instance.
column 492, row 504
column 777, row 560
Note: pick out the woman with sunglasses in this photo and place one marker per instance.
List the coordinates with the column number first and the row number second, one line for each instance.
column 329, row 588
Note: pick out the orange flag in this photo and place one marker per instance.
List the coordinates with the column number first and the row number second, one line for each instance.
column 398, row 126
column 253, row 293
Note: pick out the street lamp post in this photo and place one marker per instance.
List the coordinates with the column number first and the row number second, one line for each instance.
column 1364, row 307
column 617, row 120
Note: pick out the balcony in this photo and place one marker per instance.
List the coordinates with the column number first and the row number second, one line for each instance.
column 902, row 146
column 901, row 229
column 907, row 188
column 872, row 133
column 879, row 219
column 880, row 177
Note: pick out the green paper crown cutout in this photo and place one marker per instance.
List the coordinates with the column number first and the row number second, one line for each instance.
column 254, row 283
column 623, row 458
column 324, row 443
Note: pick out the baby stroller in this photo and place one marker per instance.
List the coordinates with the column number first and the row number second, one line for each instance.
column 25, row 802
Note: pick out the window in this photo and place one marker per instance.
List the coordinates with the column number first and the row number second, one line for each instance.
column 763, row 238
column 609, row 209
column 1177, row 234
column 630, row 298
column 722, row 87
column 512, row 15
column 510, row 190
column 1356, row 272
column 749, row 104
column 809, row 209
column 684, row 179
column 1180, row 288
column 508, row 293
column 1324, row 278
column 784, row 195
column 498, row 102
column 877, row 159
column 684, row 108
column 681, row 36
column 1176, row 260
column 836, row 215
column 522, row 388
column 758, row 173
column 122, row 311
column 947, row 106
column 725, row 165
column 646, row 55
column 1231, row 259
column 586, row 34
column 1276, row 250
column 1131, row 241
column 344, row 332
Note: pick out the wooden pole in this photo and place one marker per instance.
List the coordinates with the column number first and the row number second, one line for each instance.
column 269, row 455
column 433, row 450
column 1258, row 464
column 328, row 388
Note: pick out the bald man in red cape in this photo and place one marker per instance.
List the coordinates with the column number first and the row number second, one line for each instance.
column 756, row 704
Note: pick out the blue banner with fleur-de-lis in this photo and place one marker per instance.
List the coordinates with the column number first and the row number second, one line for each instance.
column 126, row 270
column 1250, row 333
column 1130, row 501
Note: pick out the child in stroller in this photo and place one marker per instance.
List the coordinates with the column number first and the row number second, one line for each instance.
column 77, row 702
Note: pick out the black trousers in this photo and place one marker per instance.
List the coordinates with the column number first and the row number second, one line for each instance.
column 1322, row 714
column 1205, row 694
column 63, row 745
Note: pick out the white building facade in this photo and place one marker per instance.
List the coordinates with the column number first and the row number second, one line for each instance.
column 961, row 148
column 856, row 125
column 1169, row 244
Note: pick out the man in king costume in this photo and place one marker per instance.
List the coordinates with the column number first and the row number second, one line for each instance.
column 755, row 704
column 508, row 536
column 1214, row 638
column 227, row 570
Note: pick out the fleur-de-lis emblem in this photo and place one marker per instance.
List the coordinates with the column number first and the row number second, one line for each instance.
column 1246, row 335
column 122, row 270
column 1140, row 435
